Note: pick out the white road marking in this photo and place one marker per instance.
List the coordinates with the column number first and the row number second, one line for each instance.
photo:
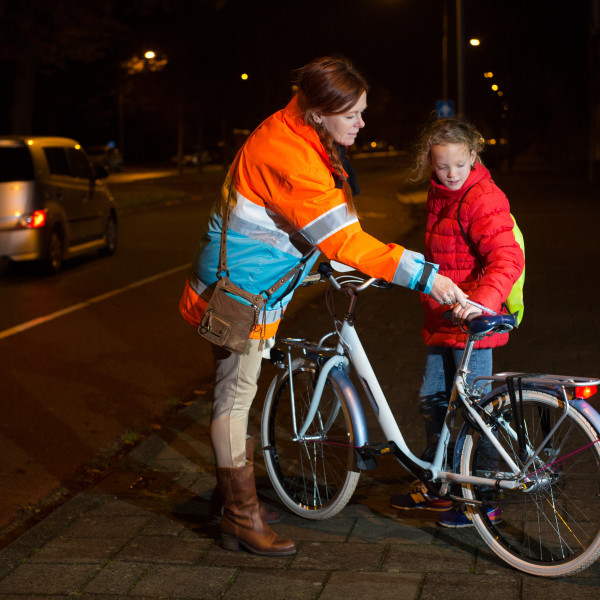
column 65, row 311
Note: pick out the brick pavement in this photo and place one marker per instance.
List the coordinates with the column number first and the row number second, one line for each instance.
column 145, row 531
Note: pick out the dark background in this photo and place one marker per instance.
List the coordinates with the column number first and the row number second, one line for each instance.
column 62, row 67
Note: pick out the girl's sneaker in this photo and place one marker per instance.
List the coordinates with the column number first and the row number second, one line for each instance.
column 417, row 496
column 456, row 518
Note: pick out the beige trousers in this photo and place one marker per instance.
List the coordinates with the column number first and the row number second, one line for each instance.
column 236, row 382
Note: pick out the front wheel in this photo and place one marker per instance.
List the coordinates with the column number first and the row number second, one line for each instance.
column 314, row 476
column 551, row 525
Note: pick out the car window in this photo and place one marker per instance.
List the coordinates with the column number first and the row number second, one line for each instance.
column 15, row 164
column 80, row 165
column 57, row 160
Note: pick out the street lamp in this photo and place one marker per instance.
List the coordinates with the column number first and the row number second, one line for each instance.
column 460, row 61
column 135, row 65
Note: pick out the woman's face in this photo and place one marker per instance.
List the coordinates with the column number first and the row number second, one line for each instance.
column 345, row 126
column 452, row 164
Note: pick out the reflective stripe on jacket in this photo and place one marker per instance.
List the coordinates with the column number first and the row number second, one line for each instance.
column 285, row 205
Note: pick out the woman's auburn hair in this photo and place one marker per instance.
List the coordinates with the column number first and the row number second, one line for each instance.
column 327, row 86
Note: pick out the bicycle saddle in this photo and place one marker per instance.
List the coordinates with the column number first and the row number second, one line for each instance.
column 482, row 324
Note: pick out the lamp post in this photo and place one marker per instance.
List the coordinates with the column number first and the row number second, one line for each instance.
column 135, row 65
column 460, row 63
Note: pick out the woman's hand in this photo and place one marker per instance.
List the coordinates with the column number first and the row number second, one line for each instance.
column 445, row 291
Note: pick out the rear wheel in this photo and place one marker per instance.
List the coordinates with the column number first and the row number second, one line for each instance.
column 315, row 477
column 110, row 237
column 52, row 264
column 550, row 527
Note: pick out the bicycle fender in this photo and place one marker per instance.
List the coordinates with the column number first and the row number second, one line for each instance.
column 580, row 405
column 588, row 411
column 355, row 408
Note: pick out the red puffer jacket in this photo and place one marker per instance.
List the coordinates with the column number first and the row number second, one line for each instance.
column 485, row 217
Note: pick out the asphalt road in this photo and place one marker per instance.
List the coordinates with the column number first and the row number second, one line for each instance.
column 96, row 357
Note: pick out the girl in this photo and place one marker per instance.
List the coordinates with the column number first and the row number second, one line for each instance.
column 461, row 187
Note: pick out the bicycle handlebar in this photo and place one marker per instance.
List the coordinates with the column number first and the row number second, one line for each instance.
column 325, row 272
column 490, row 321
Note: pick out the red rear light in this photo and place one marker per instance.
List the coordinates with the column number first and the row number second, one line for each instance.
column 585, row 392
column 34, row 220
column 37, row 219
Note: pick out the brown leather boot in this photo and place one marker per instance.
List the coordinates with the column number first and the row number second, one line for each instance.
column 270, row 515
column 242, row 523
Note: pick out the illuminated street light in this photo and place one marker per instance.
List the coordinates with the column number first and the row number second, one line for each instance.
column 495, row 87
column 134, row 66
column 244, row 76
column 149, row 61
column 474, row 42
column 488, row 75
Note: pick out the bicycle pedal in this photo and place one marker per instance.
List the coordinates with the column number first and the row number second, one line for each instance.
column 376, row 449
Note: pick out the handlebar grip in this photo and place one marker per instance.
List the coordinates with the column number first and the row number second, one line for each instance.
column 325, row 269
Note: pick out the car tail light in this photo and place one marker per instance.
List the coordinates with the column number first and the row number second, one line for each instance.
column 585, row 392
column 34, row 220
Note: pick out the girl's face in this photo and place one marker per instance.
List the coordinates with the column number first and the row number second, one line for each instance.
column 345, row 127
column 452, row 164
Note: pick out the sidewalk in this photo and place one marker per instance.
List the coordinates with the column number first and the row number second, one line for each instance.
column 145, row 532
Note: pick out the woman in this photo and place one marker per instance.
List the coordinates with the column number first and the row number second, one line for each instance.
column 292, row 196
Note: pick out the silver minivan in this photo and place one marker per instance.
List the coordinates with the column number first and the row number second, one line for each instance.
column 53, row 204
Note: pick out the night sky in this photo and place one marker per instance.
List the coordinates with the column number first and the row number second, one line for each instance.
column 539, row 52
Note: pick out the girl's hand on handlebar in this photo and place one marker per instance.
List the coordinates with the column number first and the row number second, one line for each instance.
column 461, row 313
column 445, row 291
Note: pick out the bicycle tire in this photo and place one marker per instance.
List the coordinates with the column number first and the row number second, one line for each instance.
column 551, row 529
column 314, row 478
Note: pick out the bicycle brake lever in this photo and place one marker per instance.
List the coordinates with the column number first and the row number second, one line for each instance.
column 482, row 308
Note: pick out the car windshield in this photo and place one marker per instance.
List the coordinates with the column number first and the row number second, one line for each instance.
column 15, row 164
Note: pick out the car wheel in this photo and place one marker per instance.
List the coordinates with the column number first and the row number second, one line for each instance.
column 55, row 253
column 110, row 236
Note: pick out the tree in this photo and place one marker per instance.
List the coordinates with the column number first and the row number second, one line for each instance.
column 41, row 37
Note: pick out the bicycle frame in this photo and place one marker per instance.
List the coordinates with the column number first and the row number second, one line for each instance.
column 349, row 342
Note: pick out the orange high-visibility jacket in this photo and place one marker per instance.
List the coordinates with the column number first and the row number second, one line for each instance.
column 285, row 205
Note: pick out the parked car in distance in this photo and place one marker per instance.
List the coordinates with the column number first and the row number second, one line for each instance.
column 107, row 156
column 53, row 204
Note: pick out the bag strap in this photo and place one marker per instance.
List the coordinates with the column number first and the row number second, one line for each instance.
column 464, row 234
column 223, row 250
column 470, row 242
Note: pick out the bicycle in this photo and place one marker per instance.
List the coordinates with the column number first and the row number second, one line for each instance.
column 530, row 446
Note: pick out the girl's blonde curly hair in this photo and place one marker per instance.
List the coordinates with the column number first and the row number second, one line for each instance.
column 440, row 133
